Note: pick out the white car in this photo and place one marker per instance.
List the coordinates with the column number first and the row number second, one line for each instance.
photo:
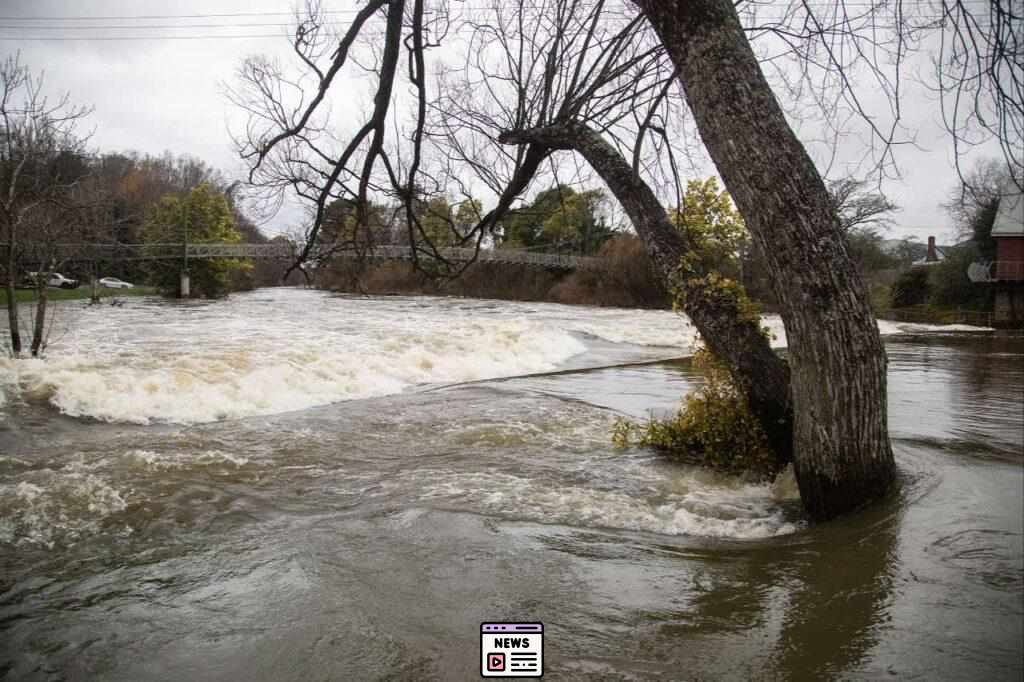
column 115, row 283
column 60, row 281
column 55, row 280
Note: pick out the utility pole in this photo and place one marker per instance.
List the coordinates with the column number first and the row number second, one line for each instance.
column 94, row 298
column 184, row 288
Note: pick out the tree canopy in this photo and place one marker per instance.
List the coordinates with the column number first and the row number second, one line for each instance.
column 203, row 215
column 559, row 219
column 711, row 221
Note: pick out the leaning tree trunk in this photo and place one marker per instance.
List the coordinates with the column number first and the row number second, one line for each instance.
column 730, row 330
column 12, row 301
column 842, row 455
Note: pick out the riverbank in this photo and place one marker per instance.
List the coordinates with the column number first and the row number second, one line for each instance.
column 79, row 294
column 503, row 282
column 587, row 288
column 623, row 278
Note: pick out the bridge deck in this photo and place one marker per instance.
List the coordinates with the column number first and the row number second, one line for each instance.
column 110, row 252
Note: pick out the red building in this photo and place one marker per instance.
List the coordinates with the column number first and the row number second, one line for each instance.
column 1006, row 273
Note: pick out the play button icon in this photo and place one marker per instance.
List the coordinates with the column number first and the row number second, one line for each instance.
column 495, row 663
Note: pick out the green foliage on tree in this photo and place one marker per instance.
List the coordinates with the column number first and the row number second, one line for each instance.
column 201, row 216
column 712, row 225
column 714, row 427
column 944, row 285
column 524, row 227
column 342, row 229
column 575, row 224
column 468, row 215
column 559, row 219
column 445, row 223
column 437, row 220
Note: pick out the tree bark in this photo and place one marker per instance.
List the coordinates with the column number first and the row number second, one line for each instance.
column 39, row 328
column 842, row 454
column 12, row 301
column 730, row 331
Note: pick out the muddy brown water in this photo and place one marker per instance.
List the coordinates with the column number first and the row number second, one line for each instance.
column 467, row 477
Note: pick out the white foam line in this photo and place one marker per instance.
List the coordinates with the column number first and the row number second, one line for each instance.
column 193, row 365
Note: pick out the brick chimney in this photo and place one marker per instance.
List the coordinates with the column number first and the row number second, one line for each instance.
column 933, row 256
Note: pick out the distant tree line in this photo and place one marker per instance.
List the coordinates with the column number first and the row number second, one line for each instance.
column 562, row 219
column 55, row 190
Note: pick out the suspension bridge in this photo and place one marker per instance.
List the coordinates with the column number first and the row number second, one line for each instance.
column 35, row 252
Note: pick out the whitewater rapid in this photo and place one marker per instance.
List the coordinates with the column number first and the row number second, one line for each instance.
column 539, row 451
column 276, row 351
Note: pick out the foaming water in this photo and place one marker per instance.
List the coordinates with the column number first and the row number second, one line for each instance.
column 724, row 508
column 48, row 506
column 232, row 383
column 188, row 363
column 411, row 468
column 155, row 361
column 185, row 364
column 181, row 460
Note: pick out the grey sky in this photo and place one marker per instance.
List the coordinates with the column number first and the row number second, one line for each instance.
column 158, row 94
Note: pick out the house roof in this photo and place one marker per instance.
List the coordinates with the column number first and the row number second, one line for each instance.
column 1010, row 218
column 940, row 255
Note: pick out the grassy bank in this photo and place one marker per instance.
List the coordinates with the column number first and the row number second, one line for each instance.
column 81, row 293
column 934, row 314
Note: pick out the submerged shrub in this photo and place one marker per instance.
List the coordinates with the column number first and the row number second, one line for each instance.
column 714, row 427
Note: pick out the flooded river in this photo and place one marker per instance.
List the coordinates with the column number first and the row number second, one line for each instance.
column 289, row 485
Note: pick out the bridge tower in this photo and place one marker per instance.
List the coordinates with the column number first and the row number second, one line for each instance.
column 183, row 287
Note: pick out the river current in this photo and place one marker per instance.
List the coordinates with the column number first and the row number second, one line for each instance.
column 291, row 485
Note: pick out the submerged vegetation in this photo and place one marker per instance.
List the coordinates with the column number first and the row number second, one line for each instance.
column 714, row 427
column 725, row 425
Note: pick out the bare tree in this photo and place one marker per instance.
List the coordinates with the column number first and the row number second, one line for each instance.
column 975, row 203
column 823, row 59
column 41, row 153
column 624, row 62
column 979, row 77
column 50, row 228
column 859, row 209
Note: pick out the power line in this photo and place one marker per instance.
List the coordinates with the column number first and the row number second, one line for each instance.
column 750, row 11
column 745, row 8
column 153, row 38
column 132, row 17
column 158, row 26
column 219, row 36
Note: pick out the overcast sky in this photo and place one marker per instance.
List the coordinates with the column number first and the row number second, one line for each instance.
column 153, row 93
